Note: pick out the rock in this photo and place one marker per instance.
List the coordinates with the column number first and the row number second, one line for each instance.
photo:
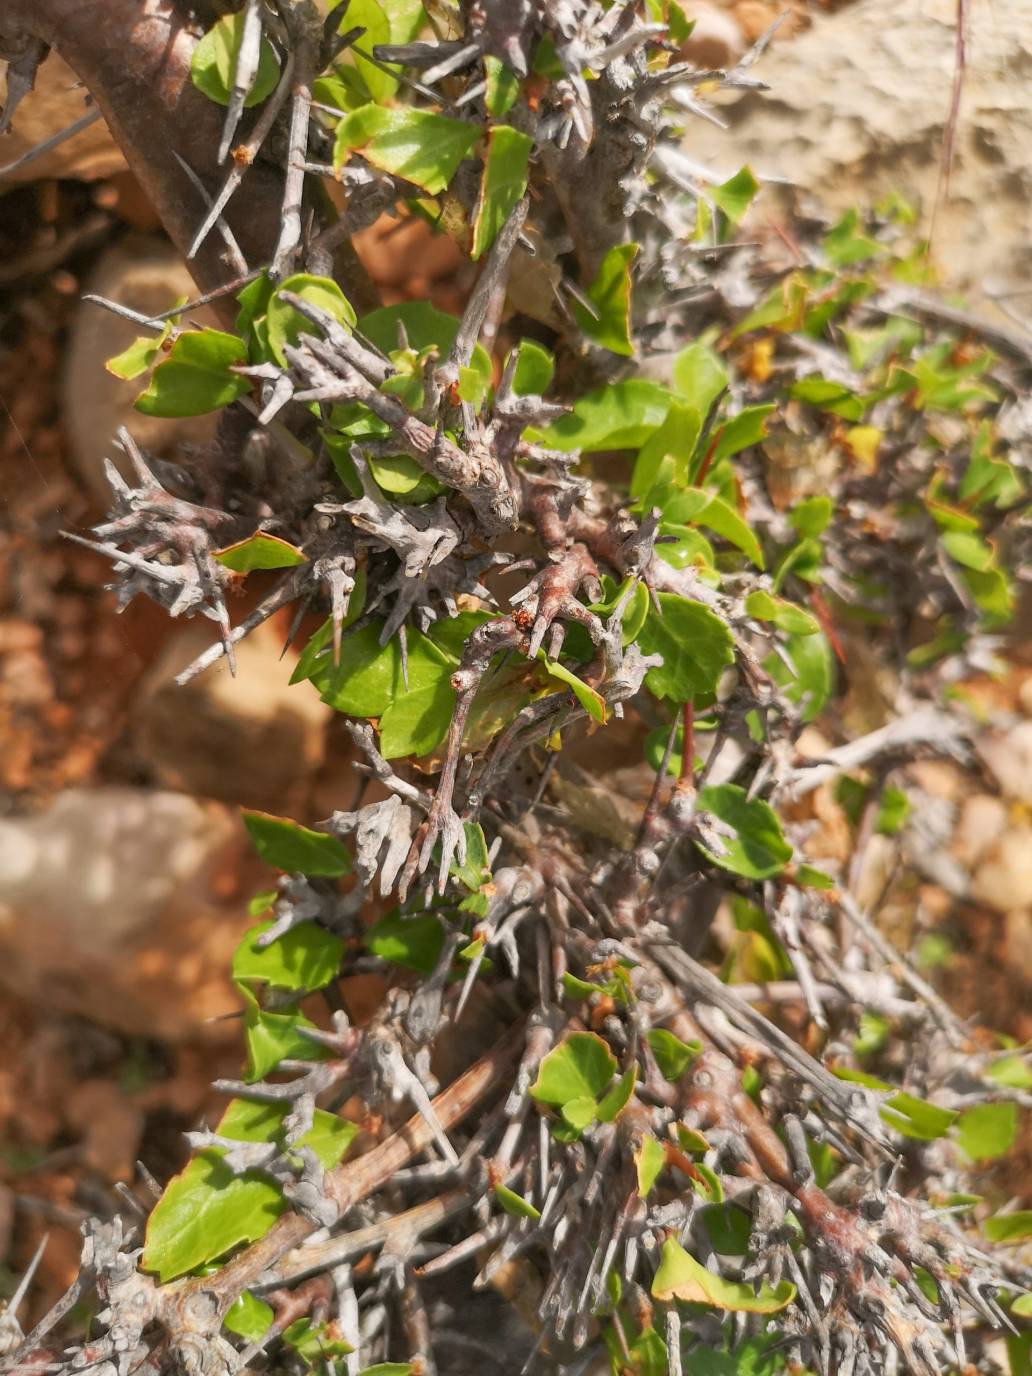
column 107, row 910
column 1004, row 878
column 1025, row 696
column 55, row 103
column 983, row 820
column 253, row 739
column 146, row 274
column 1009, row 757
column 856, row 109
column 716, row 41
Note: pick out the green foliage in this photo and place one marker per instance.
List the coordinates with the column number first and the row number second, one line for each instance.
column 756, row 847
column 260, row 551
column 607, row 321
column 673, row 1056
column 681, row 1277
column 207, row 1210
column 988, row 1130
column 421, row 147
column 504, row 182
column 288, row 846
column 195, row 376
column 213, row 65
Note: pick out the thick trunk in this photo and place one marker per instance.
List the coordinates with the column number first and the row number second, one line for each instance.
column 133, row 56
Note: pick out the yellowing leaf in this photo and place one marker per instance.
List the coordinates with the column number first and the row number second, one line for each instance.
column 681, row 1277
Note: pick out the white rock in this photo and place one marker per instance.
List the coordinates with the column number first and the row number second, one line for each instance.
column 107, row 908
column 147, row 275
column 1004, row 879
column 253, row 739
column 1009, row 757
column 982, row 821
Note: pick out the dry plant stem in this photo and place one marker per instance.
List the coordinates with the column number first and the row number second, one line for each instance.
column 354, row 1180
column 141, row 84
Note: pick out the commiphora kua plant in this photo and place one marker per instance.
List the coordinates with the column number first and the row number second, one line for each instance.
column 642, row 488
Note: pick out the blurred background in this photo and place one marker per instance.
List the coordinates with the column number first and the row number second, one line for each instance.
column 124, row 876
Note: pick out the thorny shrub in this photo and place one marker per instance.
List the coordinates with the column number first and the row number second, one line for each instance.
column 644, row 486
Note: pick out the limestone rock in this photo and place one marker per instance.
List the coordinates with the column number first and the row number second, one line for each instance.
column 983, row 820
column 856, row 109
column 253, row 739
column 56, row 102
column 108, row 909
column 716, row 41
column 1009, row 757
column 1004, row 878
column 146, row 274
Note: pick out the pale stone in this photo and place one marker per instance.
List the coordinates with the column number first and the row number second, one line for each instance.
column 56, row 102
column 147, row 275
column 716, row 41
column 1009, row 757
column 1004, row 879
column 983, row 820
column 856, row 109
column 107, row 909
column 252, row 739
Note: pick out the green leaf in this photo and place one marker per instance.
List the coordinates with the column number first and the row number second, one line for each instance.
column 1011, row 1071
column 845, row 245
column 503, row 87
column 681, row 1277
column 649, row 1160
column 195, row 376
column 260, row 551
column 893, row 812
column 968, row 549
column 695, row 644
column 786, row 615
column 741, row 431
column 535, row 368
column 699, row 375
column 580, row 1067
column 988, row 1130
column 213, row 64
column 673, row 1056
column 666, row 455
column 1012, row 1227
column 903, row 1112
column 249, row 1317
column 418, row 717
column 810, row 518
column 206, row 1211
column 735, row 196
column 1022, row 1306
column 758, row 848
column 589, row 698
column 503, row 183
column 421, row 147
column 274, row 1037
column 620, row 416
column 614, row 1103
column 286, row 323
column 610, row 294
column 814, row 679
column 424, row 326
column 368, row 677
column 578, row 1113
column 389, row 1369
column 139, row 356
column 833, row 397
column 414, row 942
column 314, row 1342
column 475, row 870
column 699, row 506
column 808, row 877
column 514, row 1203
column 289, row 846
column 303, row 958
